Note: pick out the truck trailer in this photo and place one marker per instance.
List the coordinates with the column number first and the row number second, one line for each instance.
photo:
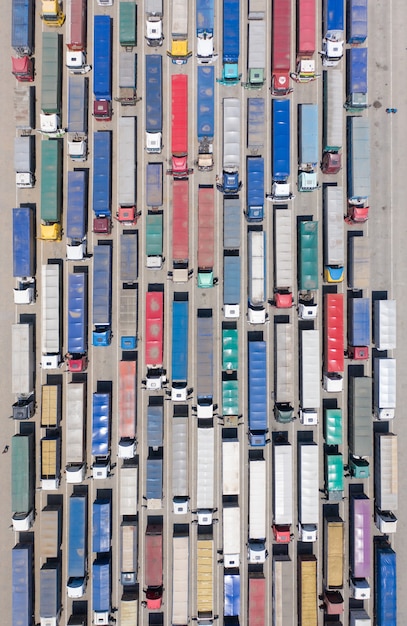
column 77, row 118
column 50, row 593
column 358, row 328
column 101, row 424
column 77, row 546
column 356, row 80
column 255, row 189
column 360, row 546
column 307, row 590
column 231, row 285
column 102, row 182
column 231, row 536
column 384, row 387
column 22, row 27
column 358, row 263
column 256, row 58
column 206, row 116
column 283, row 373
column 257, row 512
column 154, row 239
column 102, row 68
column 308, row 492
column 356, row 21
column 180, row 579
column 101, row 589
column 50, row 406
column 204, row 389
column 101, row 525
column 308, row 271
column 385, row 325
column 127, row 409
column 360, row 425
column 231, row 43
column 23, row 255
column 22, row 581
column 50, row 461
column 127, row 79
column 50, row 532
column 128, row 552
column 386, row 481
column 22, row 481
column 128, row 25
column 230, row 465
column 256, row 120
column 128, row 503
column 385, row 584
column 282, row 591
column 283, row 491
column 77, row 205
column 154, row 339
column 75, row 433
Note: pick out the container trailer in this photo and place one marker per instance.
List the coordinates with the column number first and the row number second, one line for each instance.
column 180, row 231
column 256, row 550
column 75, row 433
column 24, row 255
column 386, row 481
column 102, row 295
column 283, row 373
column 308, row 491
column 206, row 117
column 102, row 68
column 154, row 114
column 257, row 391
column 76, row 217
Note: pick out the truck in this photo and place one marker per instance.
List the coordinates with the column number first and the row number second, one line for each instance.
column 50, row 317
column 77, row 118
column 230, row 464
column 77, row 205
column 333, row 427
column 52, row 14
column 307, row 147
column 101, row 525
column 101, row 589
column 358, row 169
column 24, row 162
column 282, row 591
column 154, row 339
column 77, row 322
column 283, row 373
column 307, row 590
column 359, row 617
column 204, row 581
column 356, row 21
column 180, row 463
column 308, row 271
column 179, row 52
column 22, row 27
column 205, row 18
column 283, row 258
column 385, row 324
column 360, row 425
column 308, row 492
column 101, row 418
column 76, row 37
column 23, row 105
column 310, row 377
column 332, row 32
column 22, row 481
column 127, row 409
column 22, row 69
column 51, row 190
column 257, row 599
column 231, row 223
column 50, row 593
column 231, row 285
column 386, row 481
column 281, row 151
column 77, row 546
column 153, row 573
column 257, row 511
column 231, row 586
column 128, row 505
column 334, row 365
column 205, row 347
column 206, row 235
column 127, row 79
column 128, row 552
column 230, row 43
column 356, row 80
column 22, row 370
column 102, row 68
column 179, row 358
column 255, row 188
column 129, row 258
column 179, row 126
column 126, row 185
column 205, row 475
column 102, row 182
column 385, row 584
column 51, row 83
column 128, row 608
column 281, row 48
column 50, row 532
column 50, row 406
column 180, row 230
column 22, row 598
column 128, row 298
column 50, row 461
column 358, row 263
column 256, row 313
column 334, row 240
column 231, row 536
column 23, row 255
column 282, row 491
column 358, row 328
column 332, row 121
column 257, row 390
column 155, row 424
column 154, row 113
column 305, row 69
column 102, row 295
column 206, row 117
column 230, row 347
column 180, row 579
column 75, row 433
column 256, row 119
column 256, row 58
column 231, row 146
column 333, row 563
column 334, row 481
column 154, row 239
column 154, row 186
column 154, row 22
column 230, row 398
column 360, row 546
column 128, row 25
column 384, row 387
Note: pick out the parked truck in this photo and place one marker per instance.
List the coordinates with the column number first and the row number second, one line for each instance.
column 204, row 388
column 230, row 464
column 385, row 584
column 77, row 546
column 231, row 43
column 179, row 359
column 101, row 418
column 281, row 48
column 154, row 332
column 77, row 322
column 358, row 263
column 307, row 590
column 360, row 425
column 77, row 118
column 386, row 481
column 50, row 317
column 282, row 590
column 51, row 190
column 204, row 580
column 101, row 525
column 255, row 189
column 52, row 14
column 256, row 61
column 308, row 491
column 384, row 387
column 22, row 370
column 231, row 592
column 310, row 377
column 22, row 481
column 231, row 536
column 334, row 365
column 128, row 552
column 206, row 235
column 101, row 589
column 180, row 579
column 206, row 117
column 356, row 21
column 154, row 186
column 360, row 546
column 127, row 409
column 50, row 593
column 76, row 37
column 356, row 80
column 205, row 474
column 22, row 27
column 51, row 83
column 153, row 574
column 305, row 69
column 385, row 324
column 205, row 18
column 75, row 433
column 332, row 32
column 283, row 491
column 358, row 169
column 102, row 182
column 257, row 389
column 257, row 298
column 128, row 25
column 24, row 162
column 257, row 599
column 231, row 223
column 307, row 147
column 77, row 205
column 358, row 328
column 283, row 372
column 128, row 504
column 50, row 532
column 180, row 230
column 179, row 126
column 179, row 52
column 332, row 126
column 23, row 104
column 257, row 511
column 334, row 240
column 231, row 146
column 334, row 480
column 308, row 271
column 50, row 461
column 23, row 255
column 127, row 79
column 231, row 285
column 256, row 121
column 126, row 185
column 154, row 22
column 102, row 295
column 22, row 582
column 281, row 151
column 180, row 463
column 50, row 406
column 154, row 114
column 102, row 68
column 283, row 258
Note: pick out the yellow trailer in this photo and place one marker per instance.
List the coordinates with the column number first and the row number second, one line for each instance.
column 129, row 610
column 50, row 463
column 307, row 590
column 205, row 576
column 333, row 550
column 50, row 406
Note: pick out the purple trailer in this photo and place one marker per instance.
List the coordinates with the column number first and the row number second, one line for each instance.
column 360, row 545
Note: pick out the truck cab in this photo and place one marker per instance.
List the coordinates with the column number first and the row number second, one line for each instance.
column 180, row 505
column 75, row 474
column 24, row 293
column 52, row 14
column 76, row 62
column 283, row 412
column 102, row 110
column 50, row 232
column 50, row 124
column 22, row 68
column 385, row 521
column 331, row 163
column 24, row 408
column 359, row 468
column 205, row 517
column 205, row 407
column 333, row 382
column 205, row 278
column 101, row 468
column 309, row 417
column 358, row 213
column 256, row 552
column 307, row 309
column 76, row 587
column 154, row 30
column 359, row 589
column 333, row 601
column 22, row 521
column 230, row 183
column 307, row 532
column 102, row 336
column 155, row 379
column 283, row 299
column 332, row 49
column 77, row 363
column 282, row 534
column 280, row 192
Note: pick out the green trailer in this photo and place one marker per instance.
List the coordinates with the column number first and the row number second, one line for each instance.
column 230, row 395
column 230, row 349
column 22, row 481
column 128, row 25
column 154, row 239
column 307, row 256
column 51, row 74
column 333, row 427
column 334, row 477
column 51, row 188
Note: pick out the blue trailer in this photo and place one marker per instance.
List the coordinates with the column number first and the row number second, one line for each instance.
column 154, row 103
column 102, row 181
column 231, row 285
column 101, row 590
column 22, row 27
column 77, row 117
column 231, row 223
column 204, row 383
column 77, row 546
column 206, row 116
column 231, row 42
column 256, row 123
column 102, row 296
column 257, row 393
column 101, row 434
column 281, row 150
column 154, row 478
column 179, row 350
column 154, row 185
column 77, row 322
column 102, row 67
column 358, row 168
column 332, row 32
column 308, row 146
column 359, row 326
column 356, row 21
column 205, row 17
column 232, row 595
column 24, row 255
column 155, row 425
column 77, row 208
column 385, row 585
column 255, row 189
column 22, row 568
column 356, row 79
column 101, row 525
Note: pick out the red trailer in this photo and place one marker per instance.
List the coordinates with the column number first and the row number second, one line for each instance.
column 281, row 47
column 153, row 579
column 257, row 601
column 206, row 235
column 305, row 41
column 127, row 409
column 179, row 125
column 154, row 328
column 334, row 341
column 180, row 229
column 76, row 35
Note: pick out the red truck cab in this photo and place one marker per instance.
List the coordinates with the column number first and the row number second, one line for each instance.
column 23, row 69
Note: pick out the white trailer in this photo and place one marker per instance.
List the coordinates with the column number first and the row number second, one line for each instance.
column 22, row 360
column 283, row 250
column 230, row 468
column 386, row 481
column 50, row 317
column 128, row 489
column 231, row 134
column 231, row 536
column 333, row 109
column 24, row 161
column 257, row 47
column 205, row 477
column 126, row 184
column 256, row 277
column 334, row 241
column 180, row 580
column 359, row 263
column 179, row 24
column 308, row 496
column 310, row 377
column 283, row 484
column 384, row 388
column 385, row 324
column 257, row 511
column 180, row 465
column 74, row 433
column 284, row 372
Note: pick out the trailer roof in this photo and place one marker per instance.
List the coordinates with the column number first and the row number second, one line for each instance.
column 127, row 399
column 154, row 328
column 180, row 220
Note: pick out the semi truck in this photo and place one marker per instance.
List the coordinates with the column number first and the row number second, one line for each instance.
column 102, row 295
column 230, row 43
column 126, row 184
column 257, row 512
column 180, row 230
column 230, row 464
column 204, row 580
column 305, row 70
column 205, row 19
column 334, row 240
column 101, row 589
column 128, row 552
column 334, row 365
column 256, row 313
column 256, row 58
column 385, row 324
column 22, row 481
column 180, row 579
column 127, row 79
column 283, row 491
column 24, row 162
column 356, row 21
column 179, row 126
column 102, row 68
column 308, row 492
column 52, row 14
column 231, row 285
column 101, row 525
column 77, row 322
column 179, row 358
column 360, row 546
column 50, row 532
column 23, row 255
column 206, row 117
column 127, row 409
column 154, row 114
column 310, row 377
column 128, row 25
column 282, row 591
column 281, row 151
column 256, row 121
column 23, row 104
column 386, row 481
column 77, row 205
column 205, row 474
column 50, row 317
column 128, row 504
column 308, row 271
column 356, row 80
column 283, row 372
column 101, row 417
column 77, row 546
column 334, row 480
column 358, row 263
column 307, row 147
column 154, row 334
column 358, row 169
column 206, row 235
column 257, row 599
column 50, row 461
column 283, row 258
column 22, row 69
column 102, row 182
column 22, row 581
column 180, row 463
column 307, row 590
column 22, row 27
column 384, row 387
column 360, row 434
column 332, row 125
column 51, row 83
column 22, row 370
column 257, row 390
column 76, row 37
column 51, row 190
column 281, row 48
column 77, row 118
column 154, row 24
column 75, row 433
column 332, row 32
column 153, row 573
column 179, row 52
column 358, row 328
column 50, row 406
column 204, row 383
column 255, row 188
column 231, row 146
column 385, row 584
